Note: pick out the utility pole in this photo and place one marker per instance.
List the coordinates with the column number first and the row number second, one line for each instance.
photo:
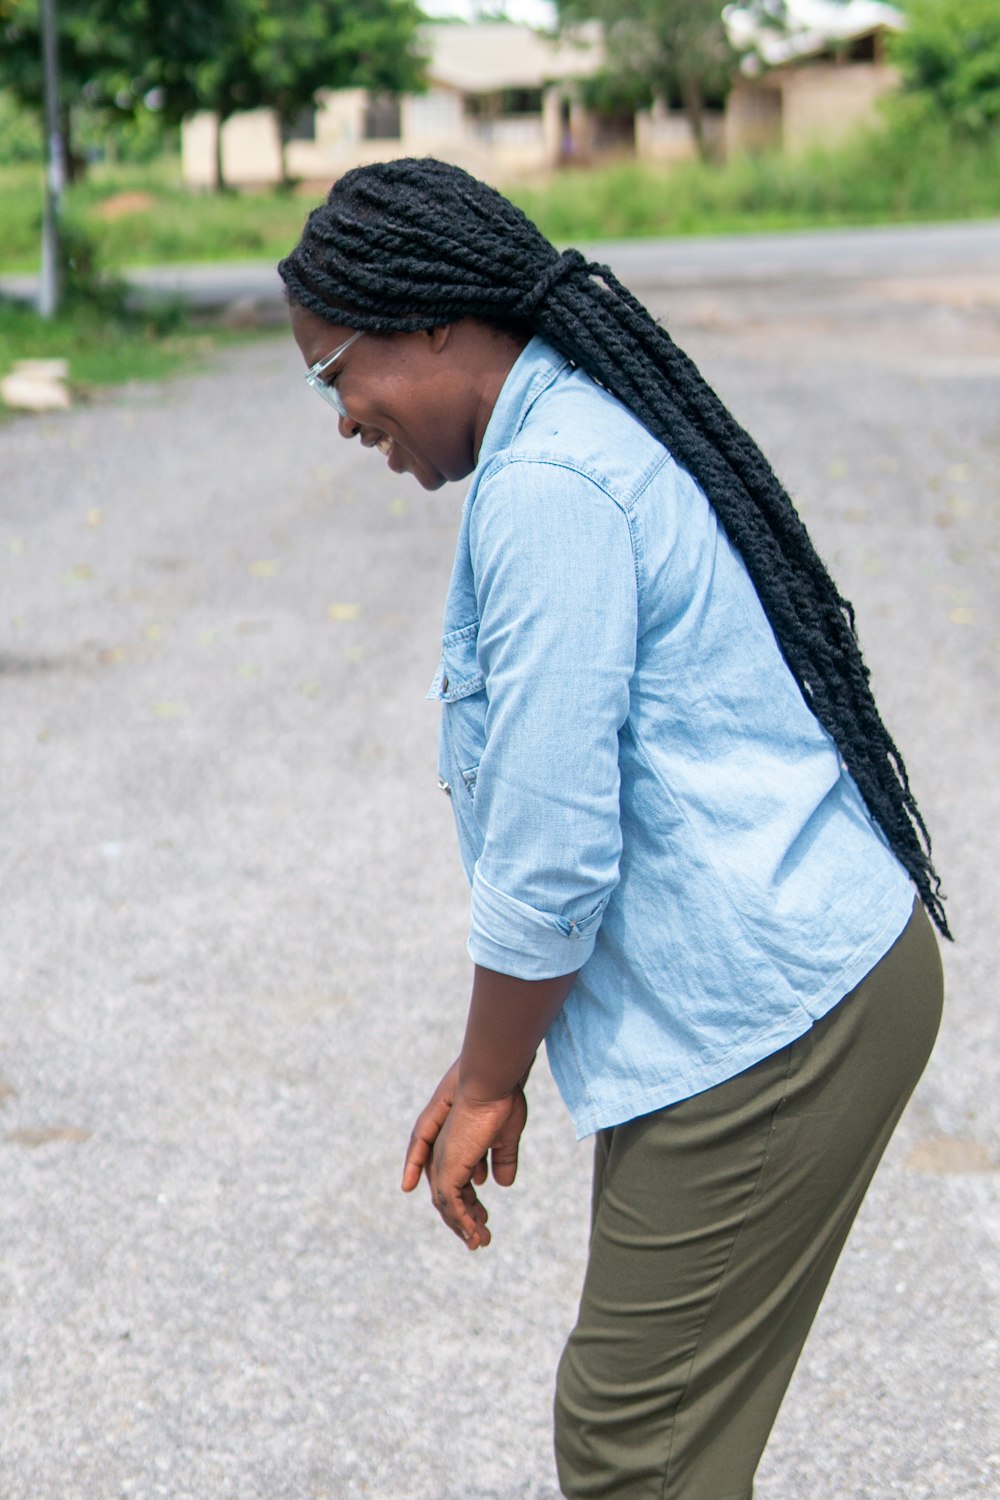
column 55, row 166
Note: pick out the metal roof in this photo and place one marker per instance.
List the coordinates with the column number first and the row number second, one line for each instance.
column 807, row 27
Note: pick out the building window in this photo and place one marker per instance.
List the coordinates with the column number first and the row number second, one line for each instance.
column 303, row 127
column 504, row 103
column 381, row 122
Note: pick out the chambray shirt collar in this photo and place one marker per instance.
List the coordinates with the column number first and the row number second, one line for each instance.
column 534, row 370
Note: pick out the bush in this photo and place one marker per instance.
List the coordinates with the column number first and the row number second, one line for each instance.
column 20, row 132
column 949, row 56
column 913, row 169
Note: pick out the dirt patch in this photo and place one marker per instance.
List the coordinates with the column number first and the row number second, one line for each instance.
column 124, row 205
column 948, row 1153
column 970, row 290
column 46, row 1135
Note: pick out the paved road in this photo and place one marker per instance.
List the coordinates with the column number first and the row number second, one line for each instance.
column 810, row 255
column 233, row 920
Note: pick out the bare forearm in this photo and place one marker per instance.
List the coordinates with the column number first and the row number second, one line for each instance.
column 507, row 1020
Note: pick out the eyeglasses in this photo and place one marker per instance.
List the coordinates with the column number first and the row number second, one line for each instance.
column 326, row 388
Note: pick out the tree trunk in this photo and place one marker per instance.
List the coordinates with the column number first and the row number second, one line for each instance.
column 284, row 127
column 694, row 108
column 76, row 165
column 221, row 185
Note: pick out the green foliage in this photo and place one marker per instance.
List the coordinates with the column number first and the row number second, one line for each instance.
column 949, row 56
column 106, row 337
column 676, row 50
column 102, row 351
column 163, row 223
column 910, row 171
column 20, row 136
column 608, row 92
column 120, row 56
column 894, row 176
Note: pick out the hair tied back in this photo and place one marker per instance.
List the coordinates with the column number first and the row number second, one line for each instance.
column 569, row 263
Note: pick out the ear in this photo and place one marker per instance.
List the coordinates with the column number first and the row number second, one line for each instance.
column 439, row 337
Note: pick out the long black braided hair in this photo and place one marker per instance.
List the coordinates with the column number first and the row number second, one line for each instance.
column 414, row 244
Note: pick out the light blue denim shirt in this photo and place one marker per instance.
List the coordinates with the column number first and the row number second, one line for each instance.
column 640, row 791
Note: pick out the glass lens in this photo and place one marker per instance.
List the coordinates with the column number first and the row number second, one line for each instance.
column 329, row 393
column 326, row 388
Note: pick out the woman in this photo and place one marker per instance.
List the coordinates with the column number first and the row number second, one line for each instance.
column 691, row 842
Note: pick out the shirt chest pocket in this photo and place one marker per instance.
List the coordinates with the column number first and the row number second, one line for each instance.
column 460, row 687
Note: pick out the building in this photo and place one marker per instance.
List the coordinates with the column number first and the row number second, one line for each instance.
column 814, row 80
column 501, row 100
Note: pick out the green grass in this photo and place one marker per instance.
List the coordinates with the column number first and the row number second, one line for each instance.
column 104, row 343
column 103, row 350
column 176, row 226
column 885, row 178
column 911, row 171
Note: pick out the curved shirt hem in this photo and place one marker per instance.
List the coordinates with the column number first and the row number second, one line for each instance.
column 672, row 1090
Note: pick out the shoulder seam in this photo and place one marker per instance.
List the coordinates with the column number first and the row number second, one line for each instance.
column 505, row 459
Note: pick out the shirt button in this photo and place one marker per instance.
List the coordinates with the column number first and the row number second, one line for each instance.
column 444, row 684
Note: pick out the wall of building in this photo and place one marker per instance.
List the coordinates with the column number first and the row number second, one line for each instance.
column 430, row 124
column 824, row 102
column 795, row 107
column 789, row 108
column 753, row 117
column 251, row 151
column 665, row 135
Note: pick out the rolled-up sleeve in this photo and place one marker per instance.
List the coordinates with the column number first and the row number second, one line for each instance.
column 555, row 577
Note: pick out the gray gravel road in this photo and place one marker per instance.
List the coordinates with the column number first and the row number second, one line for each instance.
column 232, row 960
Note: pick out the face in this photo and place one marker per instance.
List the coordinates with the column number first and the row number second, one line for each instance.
column 406, row 394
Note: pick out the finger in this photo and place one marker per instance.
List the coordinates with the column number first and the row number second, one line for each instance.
column 480, row 1172
column 480, row 1218
column 463, row 1213
column 505, row 1147
column 422, row 1137
column 418, row 1153
column 504, row 1157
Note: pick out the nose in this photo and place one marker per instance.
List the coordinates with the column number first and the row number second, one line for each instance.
column 347, row 427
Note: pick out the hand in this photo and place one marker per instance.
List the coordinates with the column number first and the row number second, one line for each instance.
column 428, row 1127
column 451, row 1141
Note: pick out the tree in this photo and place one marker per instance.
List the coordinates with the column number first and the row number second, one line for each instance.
column 298, row 50
column 217, row 55
column 672, row 49
column 90, row 53
column 949, row 56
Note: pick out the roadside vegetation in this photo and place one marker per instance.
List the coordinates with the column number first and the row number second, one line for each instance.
column 881, row 178
column 101, row 333
column 103, row 349
column 141, row 215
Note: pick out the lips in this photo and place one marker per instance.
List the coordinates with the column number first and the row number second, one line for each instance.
column 390, row 450
column 379, row 440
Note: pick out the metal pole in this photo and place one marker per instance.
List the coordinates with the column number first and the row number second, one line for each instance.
column 55, row 167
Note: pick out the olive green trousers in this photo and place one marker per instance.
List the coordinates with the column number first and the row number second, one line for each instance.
column 716, row 1225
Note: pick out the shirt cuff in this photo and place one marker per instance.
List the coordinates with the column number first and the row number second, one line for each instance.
column 513, row 938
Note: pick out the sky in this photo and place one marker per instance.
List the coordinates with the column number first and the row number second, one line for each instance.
column 528, row 12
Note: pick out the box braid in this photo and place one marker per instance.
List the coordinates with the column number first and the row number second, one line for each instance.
column 414, row 244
